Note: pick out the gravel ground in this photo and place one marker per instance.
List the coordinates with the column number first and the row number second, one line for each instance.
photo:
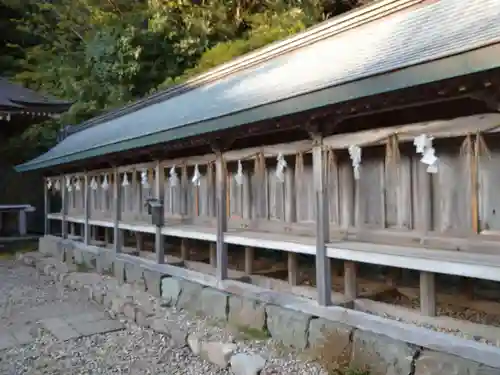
column 131, row 351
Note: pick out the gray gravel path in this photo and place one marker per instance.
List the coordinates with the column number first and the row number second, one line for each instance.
column 28, row 299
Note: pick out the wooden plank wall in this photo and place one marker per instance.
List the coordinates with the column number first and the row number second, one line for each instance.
column 489, row 190
column 389, row 192
column 75, row 198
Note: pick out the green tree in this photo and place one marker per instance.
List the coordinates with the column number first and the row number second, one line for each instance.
column 102, row 54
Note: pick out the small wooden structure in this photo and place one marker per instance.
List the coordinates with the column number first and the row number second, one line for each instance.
column 363, row 141
column 21, row 210
column 20, row 108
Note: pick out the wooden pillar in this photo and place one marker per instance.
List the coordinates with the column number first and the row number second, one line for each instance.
column 346, row 196
column 184, row 186
column 350, row 274
column 106, row 235
column 249, row 256
column 427, row 294
column 350, row 282
column 159, row 191
column 474, row 177
column 86, row 209
column 21, row 223
column 292, row 269
column 46, row 205
column 359, row 201
column 213, row 254
column 184, row 249
column 220, row 173
column 424, row 203
column 64, row 204
column 323, row 265
column 139, row 242
column 211, row 190
column 72, row 229
column 424, row 224
column 291, row 217
column 247, row 197
column 117, row 212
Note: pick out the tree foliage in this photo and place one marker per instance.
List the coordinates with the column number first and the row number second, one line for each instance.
column 102, row 54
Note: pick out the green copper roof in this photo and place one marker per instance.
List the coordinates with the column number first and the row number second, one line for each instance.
column 433, row 42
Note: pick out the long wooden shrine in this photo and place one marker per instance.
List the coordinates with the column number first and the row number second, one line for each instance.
column 360, row 194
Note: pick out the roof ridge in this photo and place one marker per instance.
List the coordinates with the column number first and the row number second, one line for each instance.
column 337, row 25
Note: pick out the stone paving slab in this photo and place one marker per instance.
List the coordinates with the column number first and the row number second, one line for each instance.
column 91, row 316
column 86, row 324
column 94, row 327
column 7, row 340
column 60, row 329
column 16, row 336
column 52, row 310
column 22, row 335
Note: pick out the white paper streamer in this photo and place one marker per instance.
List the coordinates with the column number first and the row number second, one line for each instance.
column 57, row 185
column 49, row 183
column 78, row 186
column 144, row 179
column 355, row 155
column 93, row 184
column 280, row 168
column 239, row 174
column 422, row 142
column 105, row 184
column 173, row 179
column 68, row 184
column 423, row 145
column 196, row 176
column 125, row 180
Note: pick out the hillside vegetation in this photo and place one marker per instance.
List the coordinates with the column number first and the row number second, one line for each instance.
column 102, row 54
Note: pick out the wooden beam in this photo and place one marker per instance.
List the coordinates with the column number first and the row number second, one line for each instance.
column 137, row 191
column 86, row 209
column 139, row 242
column 474, row 185
column 424, row 205
column 291, row 217
column 93, row 233
column 117, row 212
column 213, row 254
column 491, row 100
column 183, row 190
column 293, row 278
column 261, row 181
column 211, row 191
column 222, row 260
column 64, row 203
column 427, row 294
column 184, row 249
column 350, row 282
column 359, row 202
column 246, row 191
column 290, row 196
column 249, row 257
column 323, row 266
column 160, row 191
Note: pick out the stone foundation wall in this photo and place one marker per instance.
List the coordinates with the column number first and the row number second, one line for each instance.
column 383, row 355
